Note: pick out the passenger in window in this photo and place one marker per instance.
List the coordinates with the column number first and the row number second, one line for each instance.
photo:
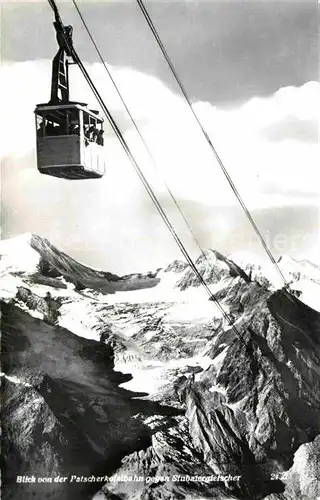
column 50, row 129
column 100, row 139
column 86, row 131
column 92, row 133
column 86, row 135
column 74, row 129
column 41, row 130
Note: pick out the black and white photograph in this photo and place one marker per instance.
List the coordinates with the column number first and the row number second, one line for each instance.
column 159, row 253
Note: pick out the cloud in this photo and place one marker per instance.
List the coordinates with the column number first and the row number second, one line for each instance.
column 92, row 212
column 241, row 135
column 294, row 129
column 289, row 162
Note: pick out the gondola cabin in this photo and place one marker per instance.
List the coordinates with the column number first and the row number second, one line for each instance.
column 69, row 141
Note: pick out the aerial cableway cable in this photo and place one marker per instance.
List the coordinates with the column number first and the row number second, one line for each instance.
column 225, row 315
column 151, row 192
column 213, row 149
column 141, row 136
column 140, row 174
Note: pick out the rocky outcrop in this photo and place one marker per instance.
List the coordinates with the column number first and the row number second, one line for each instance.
column 171, row 468
column 302, row 480
column 213, row 267
column 177, row 266
column 42, row 279
column 47, row 306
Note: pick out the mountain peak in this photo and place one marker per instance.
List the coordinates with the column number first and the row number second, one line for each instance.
column 17, row 253
column 213, row 267
column 176, row 266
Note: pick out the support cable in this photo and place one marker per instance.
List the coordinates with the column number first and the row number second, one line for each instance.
column 204, row 132
column 141, row 136
column 140, row 174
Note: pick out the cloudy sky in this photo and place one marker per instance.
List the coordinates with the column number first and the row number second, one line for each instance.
column 251, row 71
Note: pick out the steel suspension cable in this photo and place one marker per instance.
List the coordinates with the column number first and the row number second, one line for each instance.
column 141, row 136
column 150, row 191
column 145, row 182
column 140, row 174
column 151, row 157
column 206, row 136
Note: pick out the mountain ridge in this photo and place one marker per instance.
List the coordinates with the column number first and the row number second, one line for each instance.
column 212, row 399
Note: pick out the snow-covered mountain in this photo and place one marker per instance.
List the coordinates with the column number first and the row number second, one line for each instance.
column 303, row 276
column 46, row 264
column 143, row 376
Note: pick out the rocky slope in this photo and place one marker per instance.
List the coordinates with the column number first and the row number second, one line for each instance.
column 205, row 410
column 247, row 409
column 63, row 411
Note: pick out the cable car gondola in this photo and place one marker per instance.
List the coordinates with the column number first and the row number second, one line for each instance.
column 69, row 135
